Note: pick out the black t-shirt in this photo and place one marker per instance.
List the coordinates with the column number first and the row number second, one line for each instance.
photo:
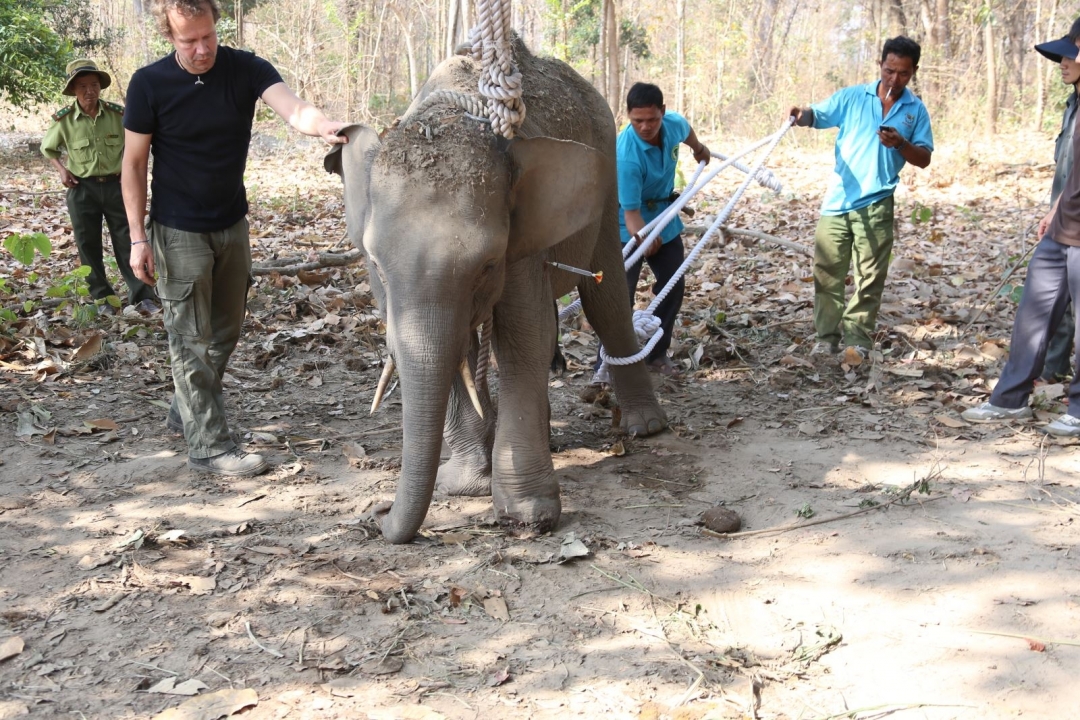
column 201, row 128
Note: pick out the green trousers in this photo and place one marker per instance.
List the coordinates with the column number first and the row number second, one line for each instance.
column 203, row 280
column 88, row 203
column 866, row 237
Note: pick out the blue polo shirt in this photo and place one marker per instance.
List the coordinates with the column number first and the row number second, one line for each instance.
column 647, row 173
column 867, row 171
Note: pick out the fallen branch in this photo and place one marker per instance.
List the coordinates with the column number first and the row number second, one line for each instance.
column 1001, row 284
column 259, row 645
column 291, row 266
column 1044, row 641
column 13, row 191
column 798, row 526
column 756, row 235
column 886, row 709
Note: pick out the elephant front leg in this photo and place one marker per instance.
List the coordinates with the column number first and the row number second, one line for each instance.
column 470, row 438
column 524, row 490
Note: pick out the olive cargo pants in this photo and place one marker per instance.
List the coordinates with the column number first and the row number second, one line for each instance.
column 865, row 236
column 203, row 280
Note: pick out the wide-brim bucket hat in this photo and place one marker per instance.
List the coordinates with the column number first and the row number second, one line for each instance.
column 1057, row 49
column 75, row 68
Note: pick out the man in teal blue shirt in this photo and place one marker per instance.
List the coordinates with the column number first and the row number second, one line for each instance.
column 883, row 126
column 647, row 155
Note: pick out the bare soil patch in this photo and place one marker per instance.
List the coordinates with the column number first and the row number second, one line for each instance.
column 956, row 594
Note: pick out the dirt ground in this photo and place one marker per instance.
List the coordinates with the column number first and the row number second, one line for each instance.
column 954, row 593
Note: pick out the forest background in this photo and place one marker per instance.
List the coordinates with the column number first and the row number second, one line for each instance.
column 733, row 67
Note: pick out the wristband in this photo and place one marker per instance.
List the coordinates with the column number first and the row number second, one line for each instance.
column 140, row 242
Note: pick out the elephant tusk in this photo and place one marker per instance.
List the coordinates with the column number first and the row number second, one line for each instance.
column 387, row 373
column 466, row 377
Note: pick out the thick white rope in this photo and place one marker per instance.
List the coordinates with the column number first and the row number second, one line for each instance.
column 500, row 81
column 646, row 324
column 469, row 103
column 764, row 177
column 644, row 320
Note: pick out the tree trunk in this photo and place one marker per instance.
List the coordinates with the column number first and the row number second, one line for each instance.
column 1044, row 74
column 410, row 52
column 991, row 74
column 680, row 56
column 238, row 6
column 611, row 56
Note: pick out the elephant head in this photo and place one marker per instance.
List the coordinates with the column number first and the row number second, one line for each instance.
column 441, row 208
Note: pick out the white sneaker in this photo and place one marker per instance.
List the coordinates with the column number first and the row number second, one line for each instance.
column 986, row 413
column 1064, row 426
column 824, row 348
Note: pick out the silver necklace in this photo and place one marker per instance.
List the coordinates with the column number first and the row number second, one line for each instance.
column 198, row 78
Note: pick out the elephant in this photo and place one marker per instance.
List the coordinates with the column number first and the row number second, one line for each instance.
column 457, row 226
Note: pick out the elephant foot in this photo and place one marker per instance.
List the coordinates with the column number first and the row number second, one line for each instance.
column 643, row 421
column 535, row 514
column 468, row 476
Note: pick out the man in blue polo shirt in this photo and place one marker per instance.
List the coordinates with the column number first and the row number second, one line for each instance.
column 647, row 155
column 883, row 126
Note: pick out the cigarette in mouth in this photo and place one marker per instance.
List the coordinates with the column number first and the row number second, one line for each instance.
column 597, row 276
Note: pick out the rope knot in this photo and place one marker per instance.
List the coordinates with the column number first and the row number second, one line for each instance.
column 500, row 81
column 645, row 324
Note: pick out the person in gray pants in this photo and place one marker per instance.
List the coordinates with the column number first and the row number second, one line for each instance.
column 1059, row 355
column 1053, row 281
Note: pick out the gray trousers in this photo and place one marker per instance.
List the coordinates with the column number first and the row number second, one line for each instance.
column 1053, row 278
column 203, row 280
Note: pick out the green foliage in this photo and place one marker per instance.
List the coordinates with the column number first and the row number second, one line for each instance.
column 1012, row 292
column 23, row 247
column 635, row 38
column 580, row 22
column 806, row 512
column 921, row 214
column 32, row 53
column 70, row 284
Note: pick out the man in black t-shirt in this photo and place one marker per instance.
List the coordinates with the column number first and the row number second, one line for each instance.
column 193, row 111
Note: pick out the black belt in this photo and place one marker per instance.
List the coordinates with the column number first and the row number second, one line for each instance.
column 653, row 205
column 102, row 178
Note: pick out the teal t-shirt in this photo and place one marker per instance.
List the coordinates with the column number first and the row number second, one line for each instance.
column 866, row 171
column 647, row 173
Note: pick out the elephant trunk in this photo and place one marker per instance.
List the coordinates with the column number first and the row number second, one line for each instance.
column 427, row 354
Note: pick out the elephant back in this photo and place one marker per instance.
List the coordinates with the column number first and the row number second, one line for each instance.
column 559, row 102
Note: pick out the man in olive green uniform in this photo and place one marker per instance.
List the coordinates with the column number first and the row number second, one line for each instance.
column 91, row 130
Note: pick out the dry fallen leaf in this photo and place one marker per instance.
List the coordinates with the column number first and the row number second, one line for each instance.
column 101, row 424
column 404, row 712
column 212, row 705
column 345, row 687
column 169, row 686
column 88, row 349
column 852, row 358
column 199, row 585
column 384, row 666
column 950, row 421
column 499, row 677
column 11, row 647
column 496, row 608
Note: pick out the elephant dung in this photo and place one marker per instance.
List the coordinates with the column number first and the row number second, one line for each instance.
column 721, row 520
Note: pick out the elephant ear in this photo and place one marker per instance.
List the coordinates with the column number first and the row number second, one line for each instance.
column 352, row 161
column 558, row 187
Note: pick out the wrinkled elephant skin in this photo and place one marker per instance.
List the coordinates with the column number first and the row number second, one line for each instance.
column 457, row 226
